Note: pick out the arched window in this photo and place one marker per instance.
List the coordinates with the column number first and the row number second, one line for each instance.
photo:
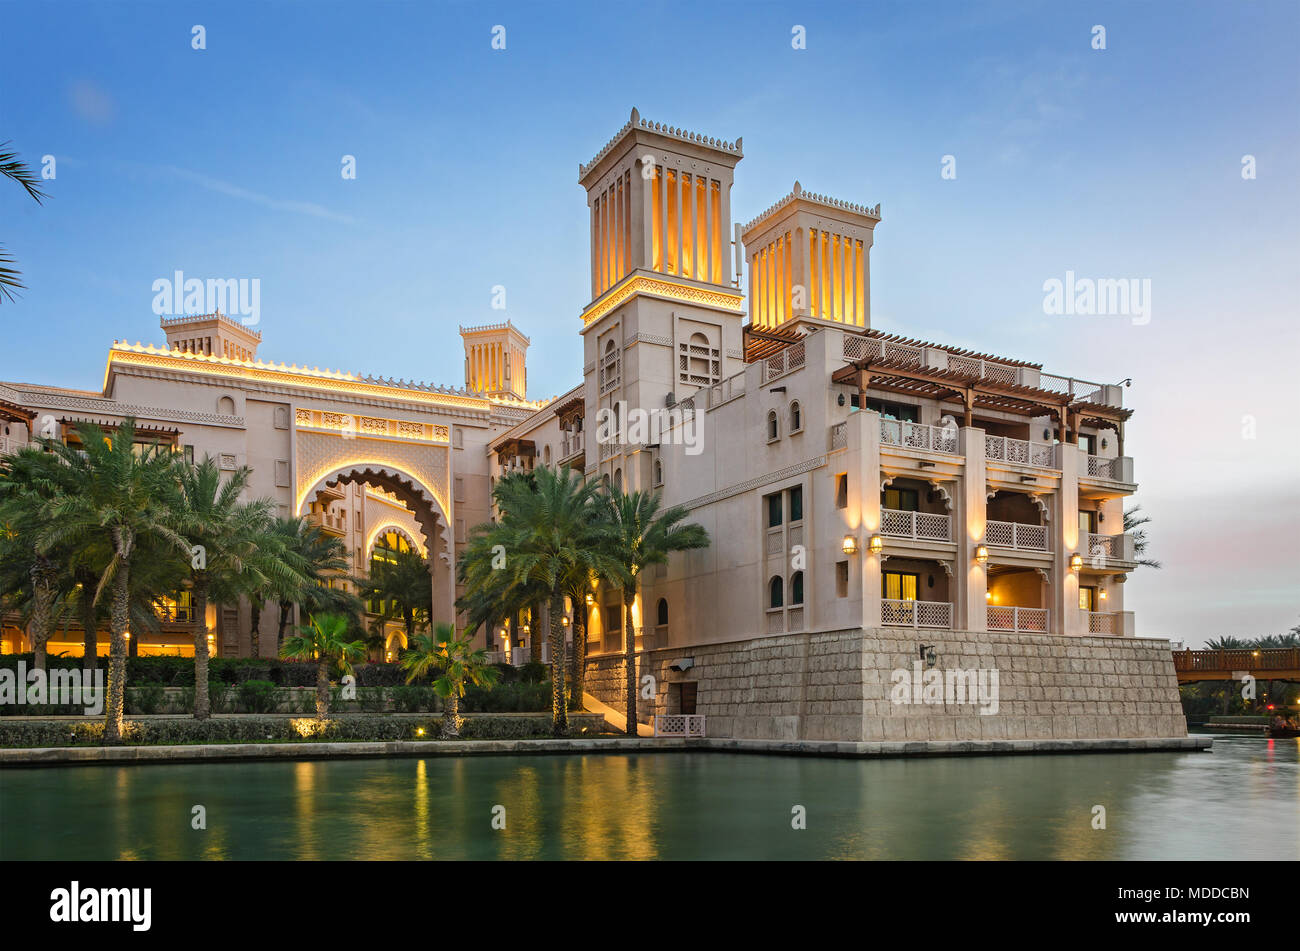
column 618, row 480
column 609, row 370
column 796, row 417
column 775, row 593
column 661, row 612
column 773, row 426
column 796, row 588
column 226, row 406
column 659, row 472
column 546, row 456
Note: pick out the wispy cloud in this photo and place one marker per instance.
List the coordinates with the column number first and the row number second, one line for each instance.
column 309, row 208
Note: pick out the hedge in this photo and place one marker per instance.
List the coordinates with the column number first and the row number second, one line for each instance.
column 265, row 729
column 179, row 671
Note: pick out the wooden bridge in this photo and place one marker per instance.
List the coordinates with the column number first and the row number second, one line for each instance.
column 1261, row 663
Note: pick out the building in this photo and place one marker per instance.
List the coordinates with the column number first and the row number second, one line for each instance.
column 872, row 500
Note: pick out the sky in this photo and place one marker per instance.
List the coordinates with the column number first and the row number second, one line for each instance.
column 1169, row 157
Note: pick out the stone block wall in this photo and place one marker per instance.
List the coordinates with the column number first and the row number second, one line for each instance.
column 838, row 685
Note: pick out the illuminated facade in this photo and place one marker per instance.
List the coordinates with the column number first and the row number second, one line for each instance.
column 869, row 497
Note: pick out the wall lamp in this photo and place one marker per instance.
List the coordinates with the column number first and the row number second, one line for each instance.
column 877, row 544
column 1076, row 562
column 981, row 553
column 850, row 545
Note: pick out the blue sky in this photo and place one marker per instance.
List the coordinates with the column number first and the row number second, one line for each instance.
column 1116, row 163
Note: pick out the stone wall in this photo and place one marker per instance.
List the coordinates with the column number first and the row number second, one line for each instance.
column 839, row 685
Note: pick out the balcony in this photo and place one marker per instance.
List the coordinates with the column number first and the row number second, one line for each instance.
column 1112, row 469
column 1102, row 622
column 1016, row 536
column 1030, row 620
column 1108, row 551
column 897, row 432
column 573, row 444
column 920, row 526
column 916, row 614
column 1006, row 449
column 329, row 523
column 783, row 362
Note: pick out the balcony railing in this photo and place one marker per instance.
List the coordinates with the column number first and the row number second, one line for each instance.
column 916, row 614
column 1006, row 449
column 1103, row 622
column 679, row 724
column 897, row 432
column 728, row 389
column 10, row 445
column 839, row 437
column 334, row 524
column 1015, row 535
column 781, row 363
column 571, row 445
column 1033, row 620
column 923, row 526
column 1103, row 550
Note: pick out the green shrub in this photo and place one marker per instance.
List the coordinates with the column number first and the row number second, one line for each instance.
column 258, row 696
column 533, row 672
column 371, row 699
column 508, row 698
column 413, row 698
column 145, row 699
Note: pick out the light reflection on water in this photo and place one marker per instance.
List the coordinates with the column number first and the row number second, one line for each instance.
column 1241, row 801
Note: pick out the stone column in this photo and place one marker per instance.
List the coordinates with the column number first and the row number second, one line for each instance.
column 1066, row 617
column 865, row 426
column 969, row 515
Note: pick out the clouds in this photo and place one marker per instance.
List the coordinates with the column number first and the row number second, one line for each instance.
column 309, row 208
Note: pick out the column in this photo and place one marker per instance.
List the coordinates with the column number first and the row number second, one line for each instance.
column 970, row 512
column 1064, row 603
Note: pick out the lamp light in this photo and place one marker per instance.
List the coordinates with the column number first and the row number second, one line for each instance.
column 877, row 544
column 849, row 545
column 590, row 599
column 981, row 553
column 1076, row 562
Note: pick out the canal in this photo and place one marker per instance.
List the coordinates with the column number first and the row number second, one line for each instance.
column 1241, row 802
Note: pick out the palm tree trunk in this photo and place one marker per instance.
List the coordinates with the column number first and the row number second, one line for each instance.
column 559, row 716
column 42, row 609
column 285, row 607
column 629, row 660
column 578, row 677
column 202, row 702
column 116, row 700
column 323, row 688
column 255, row 636
column 451, row 715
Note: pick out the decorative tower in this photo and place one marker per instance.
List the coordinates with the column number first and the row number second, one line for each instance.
column 495, row 356
column 810, row 262
column 214, row 335
column 665, row 318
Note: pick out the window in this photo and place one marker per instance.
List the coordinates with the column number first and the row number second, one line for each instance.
column 842, row 490
column 903, row 411
column 841, row 579
column 774, row 510
column 1088, row 444
column 609, row 367
column 796, row 417
column 775, row 593
column 773, row 427
column 1087, row 526
column 618, row 480
column 226, row 406
column 698, row 363
column 796, row 504
column 900, row 500
column 661, row 612
column 1087, row 598
column 898, row 586
column 796, row 588
column 659, row 472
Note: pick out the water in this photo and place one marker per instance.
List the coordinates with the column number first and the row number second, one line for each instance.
column 1242, row 801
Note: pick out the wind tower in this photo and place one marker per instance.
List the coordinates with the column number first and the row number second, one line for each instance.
column 495, row 356
column 664, row 318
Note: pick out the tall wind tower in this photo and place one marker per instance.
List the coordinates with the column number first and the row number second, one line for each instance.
column 495, row 356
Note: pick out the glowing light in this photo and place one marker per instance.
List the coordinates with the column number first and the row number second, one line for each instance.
column 849, row 545
column 981, row 553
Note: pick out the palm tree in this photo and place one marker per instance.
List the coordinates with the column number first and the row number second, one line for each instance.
column 318, row 557
column 13, row 168
column 641, row 535
column 234, row 552
column 1133, row 525
column 403, row 588
column 544, row 534
column 456, row 661
column 325, row 641
column 117, row 494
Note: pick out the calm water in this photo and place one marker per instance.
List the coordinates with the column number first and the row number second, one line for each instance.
column 1241, row 801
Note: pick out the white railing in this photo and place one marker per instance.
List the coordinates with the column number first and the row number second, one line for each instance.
column 1015, row 535
column 791, row 358
column 1006, row 449
column 984, row 369
column 728, row 389
column 1102, row 622
column 776, row 620
column 571, row 444
column 496, row 657
column 1033, row 620
column 839, row 438
column 9, row 445
column 897, row 432
column 679, row 724
column 895, row 613
column 924, row 526
column 1100, row 467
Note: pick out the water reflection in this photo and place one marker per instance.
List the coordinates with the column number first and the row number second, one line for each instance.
column 1242, row 801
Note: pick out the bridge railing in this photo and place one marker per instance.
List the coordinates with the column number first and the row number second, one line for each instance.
column 1264, row 658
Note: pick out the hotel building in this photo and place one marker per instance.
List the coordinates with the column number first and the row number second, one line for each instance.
column 872, row 500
